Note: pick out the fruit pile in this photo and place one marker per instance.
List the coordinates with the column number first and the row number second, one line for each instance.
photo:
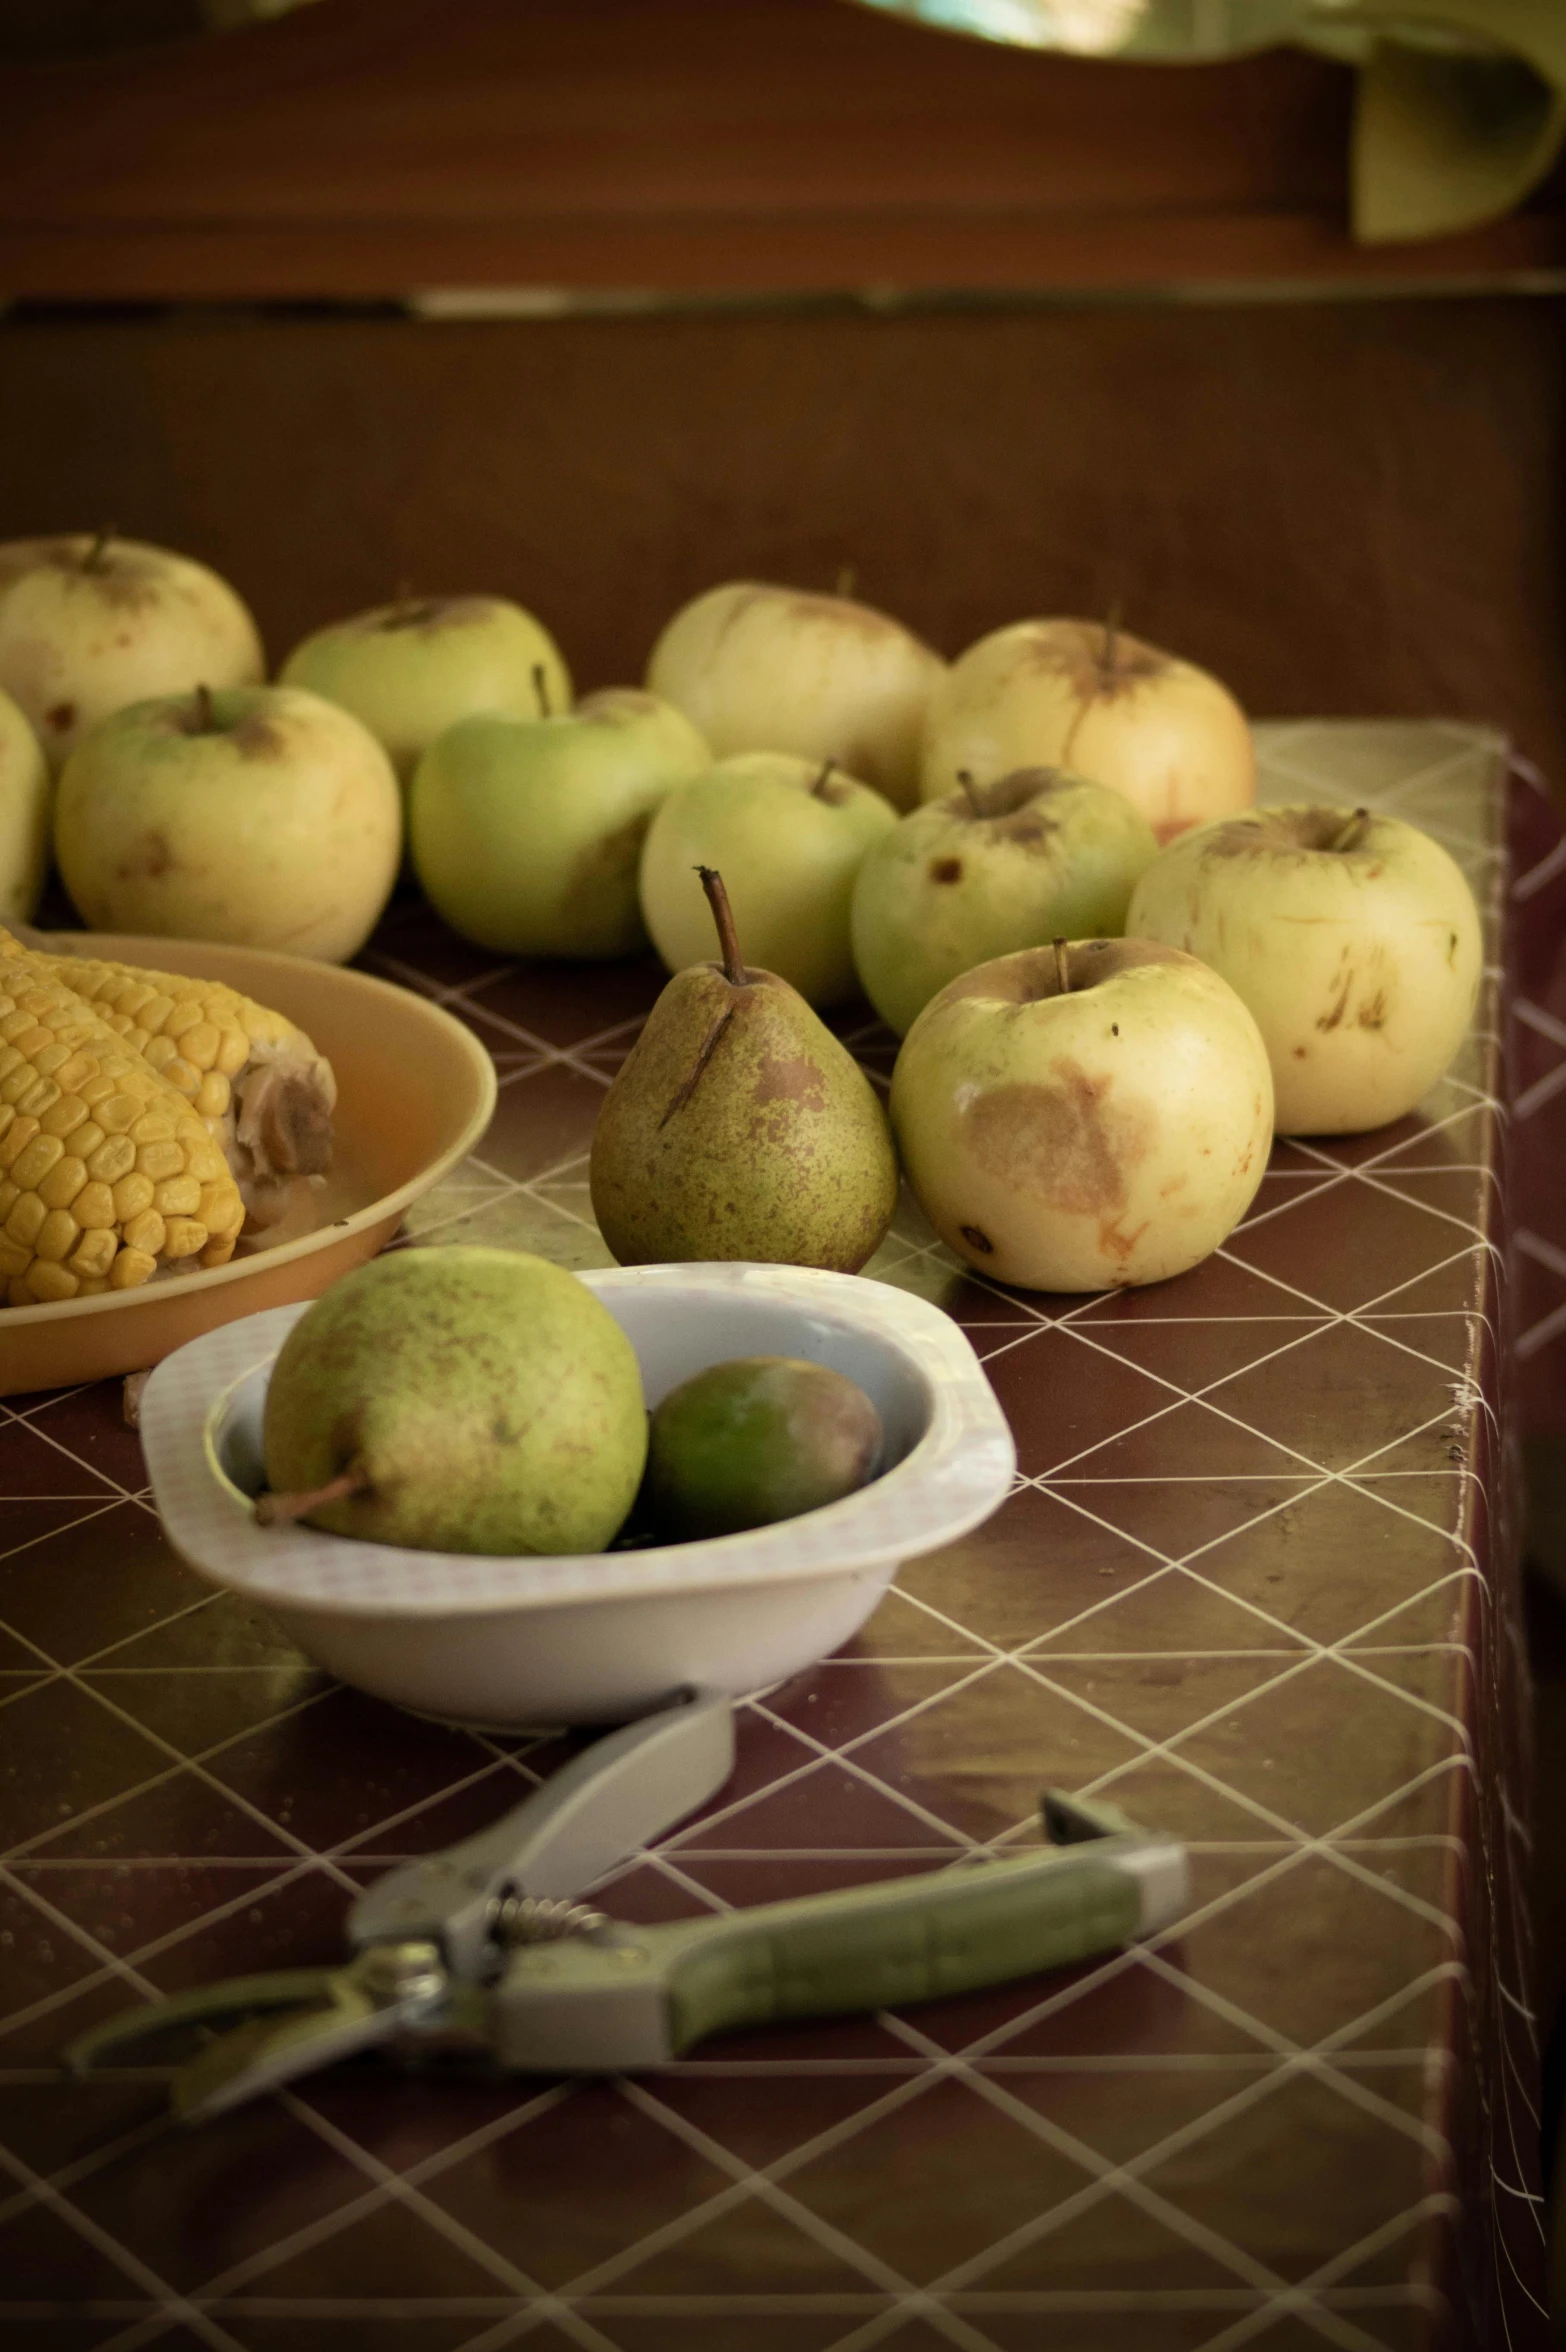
column 1113, row 975
column 479, row 1400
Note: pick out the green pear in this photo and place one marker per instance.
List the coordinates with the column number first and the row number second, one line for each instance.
column 526, row 833
column 1038, row 855
column 755, row 1440
column 457, row 1400
column 412, row 669
column 788, row 836
column 738, row 1127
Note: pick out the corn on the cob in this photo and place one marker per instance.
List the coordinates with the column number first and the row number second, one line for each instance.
column 257, row 1080
column 107, row 1174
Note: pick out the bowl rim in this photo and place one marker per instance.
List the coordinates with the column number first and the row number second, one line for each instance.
column 957, row 1473
column 480, row 1068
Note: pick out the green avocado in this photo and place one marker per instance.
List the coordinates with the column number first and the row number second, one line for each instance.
column 755, row 1440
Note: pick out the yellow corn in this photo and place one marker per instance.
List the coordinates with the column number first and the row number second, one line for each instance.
column 82, row 1116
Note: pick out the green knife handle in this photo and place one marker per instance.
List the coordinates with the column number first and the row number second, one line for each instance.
column 639, row 1996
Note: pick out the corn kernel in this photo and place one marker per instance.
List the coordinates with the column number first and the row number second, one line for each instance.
column 16, row 1139
column 18, row 1295
column 213, row 1095
column 182, row 1074
column 57, row 1236
column 160, row 1159
column 95, row 1091
column 40, row 1097
column 184, row 1015
column 31, row 1166
column 15, row 1258
column 112, row 1159
column 146, row 1232
column 50, row 1282
column 91, row 1287
column 130, row 1269
column 154, row 1126
column 66, row 1116
column 233, row 1053
column 53, row 1058
column 86, row 1139
column 7, row 1114
column 13, row 1088
column 184, row 1237
column 118, row 1114
column 26, row 1219
column 220, row 1208
column 94, row 1254
column 199, row 1044
column 219, row 1249
column 177, row 1196
column 132, row 1194
column 63, row 1182
column 94, row 1205
column 81, row 1065
column 158, row 1052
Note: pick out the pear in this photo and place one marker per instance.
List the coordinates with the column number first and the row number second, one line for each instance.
column 755, row 1440
column 456, row 1400
column 738, row 1127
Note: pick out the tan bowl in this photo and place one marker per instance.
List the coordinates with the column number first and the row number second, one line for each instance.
column 415, row 1091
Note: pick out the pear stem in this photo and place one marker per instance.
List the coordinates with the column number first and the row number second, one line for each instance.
column 1109, row 658
column 1062, row 968
column 541, row 690
column 818, row 788
column 92, row 561
column 847, row 580
column 965, row 779
column 278, row 1510
column 1352, row 833
column 723, row 916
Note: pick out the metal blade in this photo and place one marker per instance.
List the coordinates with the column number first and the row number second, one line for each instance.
column 595, row 1811
column 266, row 2052
column 284, row 1988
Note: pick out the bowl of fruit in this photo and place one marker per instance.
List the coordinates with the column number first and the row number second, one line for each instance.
column 497, row 1493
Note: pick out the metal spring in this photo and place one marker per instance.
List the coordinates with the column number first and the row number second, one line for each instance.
column 536, row 1919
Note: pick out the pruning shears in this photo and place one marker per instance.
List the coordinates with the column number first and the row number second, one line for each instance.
column 484, row 1950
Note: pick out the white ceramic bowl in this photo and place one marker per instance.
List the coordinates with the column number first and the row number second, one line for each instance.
column 506, row 1642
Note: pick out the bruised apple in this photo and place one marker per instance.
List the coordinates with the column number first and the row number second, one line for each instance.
column 1084, row 1117
column 1353, row 938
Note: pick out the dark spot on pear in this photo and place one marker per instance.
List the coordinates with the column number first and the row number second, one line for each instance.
column 948, row 869
column 1299, row 1053
column 977, row 1240
column 63, row 715
column 1114, row 1028
column 1451, row 947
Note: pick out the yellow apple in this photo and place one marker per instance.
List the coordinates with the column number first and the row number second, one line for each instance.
column 1352, row 937
column 24, row 816
column 760, row 668
column 88, row 625
column 1086, row 1118
column 1085, row 696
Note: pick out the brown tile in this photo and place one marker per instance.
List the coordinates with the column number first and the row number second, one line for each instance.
column 292, row 1920
column 385, row 2331
column 1168, row 1611
column 836, row 1704
column 1170, row 1794
column 1122, row 2112
column 1451, row 1338
column 935, row 2182
column 1178, row 1443
column 124, row 1906
column 898, row 1628
column 1063, row 1397
column 1321, row 1746
column 95, row 1582
column 541, row 1118
column 402, row 2119
column 197, row 1707
column 91, row 1424
column 183, row 1814
column 564, row 1003
column 1340, row 1396
column 455, row 1814
column 1036, row 1564
column 1329, row 1562
column 826, row 1806
column 1180, row 1517
column 1349, row 1245
column 763, row 2119
column 1125, row 2009
column 389, row 2254
column 341, row 1766
column 63, row 1752
column 36, row 1959
column 1158, row 1697
column 45, row 2258
column 1220, row 1286
column 979, row 1759
column 59, row 2122
column 685, row 2330
column 751, row 2240
column 1114, row 2247
column 525, row 1221
column 576, row 2186
column 31, row 1466
column 1199, row 1351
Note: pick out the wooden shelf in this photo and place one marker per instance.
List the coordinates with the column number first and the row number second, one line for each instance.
column 366, row 149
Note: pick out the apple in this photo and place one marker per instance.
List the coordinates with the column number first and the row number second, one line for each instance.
column 24, row 815
column 88, row 625
column 1085, row 696
column 1035, row 856
column 261, row 816
column 527, row 833
column 1084, row 1117
column 1353, row 938
column 759, row 668
column 412, row 669
column 787, row 835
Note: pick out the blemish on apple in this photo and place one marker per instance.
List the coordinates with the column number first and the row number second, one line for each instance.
column 977, row 1240
column 63, row 716
column 948, row 869
column 1064, row 1142
column 149, row 860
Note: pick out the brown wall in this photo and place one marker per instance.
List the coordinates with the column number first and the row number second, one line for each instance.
column 1349, row 507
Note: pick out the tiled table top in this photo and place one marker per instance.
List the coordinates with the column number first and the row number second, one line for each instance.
column 1248, row 1585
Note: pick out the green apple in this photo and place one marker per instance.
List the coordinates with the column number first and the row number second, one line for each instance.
column 1036, row 856
column 1080, row 695
column 760, row 668
column 787, row 835
column 88, row 625
column 24, row 815
column 526, row 833
column 1084, row 1117
column 411, row 670
column 262, row 816
column 1352, row 937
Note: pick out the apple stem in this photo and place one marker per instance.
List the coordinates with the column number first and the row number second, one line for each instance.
column 971, row 790
column 1353, row 832
column 92, row 561
column 1062, row 968
column 847, row 580
column 203, row 711
column 279, row 1510
column 1110, row 656
column 723, row 916
column 541, row 689
column 818, row 788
